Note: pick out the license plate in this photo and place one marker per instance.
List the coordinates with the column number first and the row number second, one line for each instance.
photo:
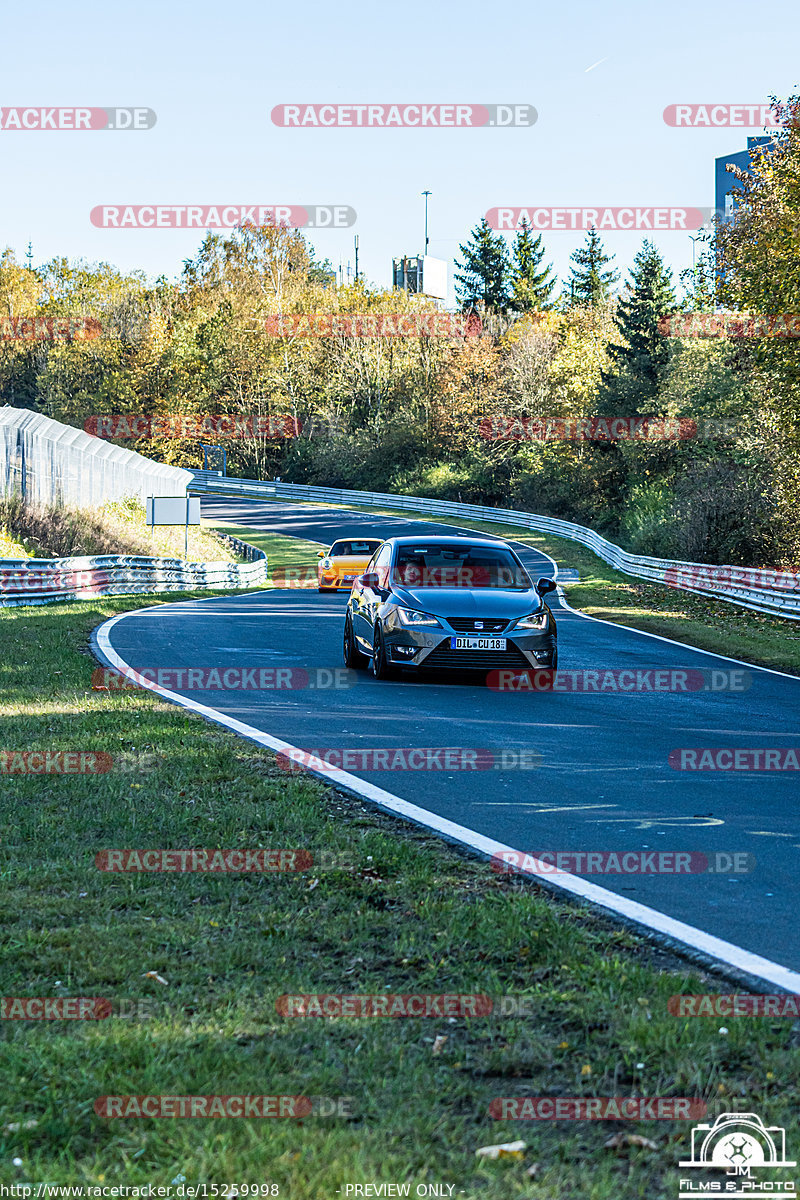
column 477, row 643
column 348, row 578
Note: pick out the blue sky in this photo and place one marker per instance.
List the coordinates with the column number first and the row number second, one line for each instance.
column 213, row 72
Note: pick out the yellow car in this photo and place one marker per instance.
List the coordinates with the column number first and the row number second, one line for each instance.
column 345, row 560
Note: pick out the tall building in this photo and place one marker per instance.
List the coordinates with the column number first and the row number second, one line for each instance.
column 724, row 182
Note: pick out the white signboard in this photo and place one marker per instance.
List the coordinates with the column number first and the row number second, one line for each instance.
column 171, row 510
column 434, row 277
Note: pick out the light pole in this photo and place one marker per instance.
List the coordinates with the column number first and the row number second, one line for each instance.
column 697, row 237
column 426, row 194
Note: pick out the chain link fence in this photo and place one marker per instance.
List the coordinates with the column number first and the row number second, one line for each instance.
column 47, row 462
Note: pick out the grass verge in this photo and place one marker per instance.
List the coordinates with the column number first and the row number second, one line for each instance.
column 117, row 527
column 288, row 557
column 208, row 955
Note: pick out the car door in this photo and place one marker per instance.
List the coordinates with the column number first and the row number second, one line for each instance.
column 371, row 598
column 360, row 600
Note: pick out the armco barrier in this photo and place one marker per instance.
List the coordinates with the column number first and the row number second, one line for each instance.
column 41, row 581
column 748, row 587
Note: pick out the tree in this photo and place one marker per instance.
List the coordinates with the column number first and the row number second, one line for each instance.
column 700, row 281
column 637, row 361
column 483, row 279
column 589, row 284
column 757, row 260
column 530, row 286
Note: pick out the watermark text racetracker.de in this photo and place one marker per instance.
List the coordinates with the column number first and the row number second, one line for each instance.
column 341, row 1006
column 55, row 762
column 370, row 325
column 623, row 862
column 223, row 1106
column 240, row 861
column 566, row 218
column 59, row 119
column 735, row 758
column 730, row 325
column 605, row 429
column 127, row 426
column 77, row 762
column 222, row 216
column 403, row 116
column 596, row 1108
column 741, row 1004
column 225, row 679
column 618, row 682
column 413, row 758
column 49, row 329
column 586, row 429
column 76, row 1008
column 723, row 116
column 700, row 578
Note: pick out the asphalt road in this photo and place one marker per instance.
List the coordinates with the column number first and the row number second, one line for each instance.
column 603, row 783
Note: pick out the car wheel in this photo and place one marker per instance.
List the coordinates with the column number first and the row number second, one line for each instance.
column 381, row 667
column 554, row 663
column 350, row 652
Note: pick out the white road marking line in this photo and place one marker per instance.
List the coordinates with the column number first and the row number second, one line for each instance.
column 651, row 822
column 536, row 808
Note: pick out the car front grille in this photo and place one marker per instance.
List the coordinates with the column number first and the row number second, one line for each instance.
column 445, row 659
column 476, row 625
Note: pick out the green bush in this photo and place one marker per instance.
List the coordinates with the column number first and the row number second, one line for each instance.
column 648, row 520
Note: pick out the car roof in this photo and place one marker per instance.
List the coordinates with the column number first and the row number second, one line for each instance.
column 438, row 539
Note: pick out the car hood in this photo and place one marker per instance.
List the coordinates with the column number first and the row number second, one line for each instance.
column 469, row 602
column 348, row 562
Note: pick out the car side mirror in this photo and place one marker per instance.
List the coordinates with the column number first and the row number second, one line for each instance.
column 321, row 553
column 369, row 579
column 545, row 585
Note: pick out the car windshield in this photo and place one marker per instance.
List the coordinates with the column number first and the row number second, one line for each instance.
column 362, row 549
column 466, row 566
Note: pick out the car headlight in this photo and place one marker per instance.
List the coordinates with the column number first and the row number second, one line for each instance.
column 325, row 563
column 411, row 616
column 537, row 620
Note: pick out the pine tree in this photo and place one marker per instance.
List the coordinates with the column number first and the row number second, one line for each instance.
column 589, row 283
column 638, row 359
column 482, row 280
column 530, row 287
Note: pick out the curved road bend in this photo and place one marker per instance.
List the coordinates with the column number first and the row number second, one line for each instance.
column 603, row 783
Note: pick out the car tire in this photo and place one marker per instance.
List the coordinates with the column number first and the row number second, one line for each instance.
column 554, row 663
column 380, row 665
column 351, row 654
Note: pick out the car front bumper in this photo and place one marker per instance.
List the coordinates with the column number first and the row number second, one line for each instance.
column 430, row 649
column 334, row 581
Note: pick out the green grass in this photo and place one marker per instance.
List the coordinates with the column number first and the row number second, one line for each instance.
column 413, row 916
column 287, row 557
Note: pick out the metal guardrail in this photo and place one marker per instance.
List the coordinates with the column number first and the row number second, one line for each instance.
column 249, row 553
column 766, row 591
column 42, row 581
